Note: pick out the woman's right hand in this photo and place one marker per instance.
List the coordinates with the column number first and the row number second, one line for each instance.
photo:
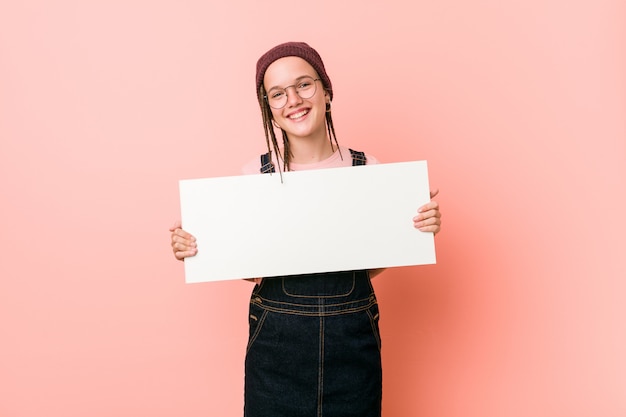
column 183, row 244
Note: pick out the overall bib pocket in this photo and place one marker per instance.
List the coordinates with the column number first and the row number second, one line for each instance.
column 329, row 285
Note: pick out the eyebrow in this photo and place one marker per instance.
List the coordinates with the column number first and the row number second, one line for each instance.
column 296, row 80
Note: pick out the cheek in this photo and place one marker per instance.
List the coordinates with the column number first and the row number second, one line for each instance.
column 322, row 104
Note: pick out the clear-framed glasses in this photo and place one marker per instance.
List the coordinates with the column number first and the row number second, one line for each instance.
column 305, row 88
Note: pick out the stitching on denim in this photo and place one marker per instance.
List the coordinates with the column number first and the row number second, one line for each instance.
column 373, row 320
column 317, row 312
column 257, row 287
column 322, row 296
column 320, row 381
column 257, row 330
column 266, row 301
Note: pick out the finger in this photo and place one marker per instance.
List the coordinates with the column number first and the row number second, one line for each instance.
column 432, row 229
column 419, row 223
column 182, row 244
column 434, row 193
column 427, row 215
column 432, row 224
column 432, row 205
column 182, row 254
column 183, row 234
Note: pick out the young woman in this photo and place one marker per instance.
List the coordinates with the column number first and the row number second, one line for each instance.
column 314, row 345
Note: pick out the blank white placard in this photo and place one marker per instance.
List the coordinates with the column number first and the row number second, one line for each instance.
column 323, row 220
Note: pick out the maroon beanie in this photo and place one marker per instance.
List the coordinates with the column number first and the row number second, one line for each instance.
column 299, row 49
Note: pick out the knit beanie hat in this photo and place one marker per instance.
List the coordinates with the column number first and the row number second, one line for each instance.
column 299, row 49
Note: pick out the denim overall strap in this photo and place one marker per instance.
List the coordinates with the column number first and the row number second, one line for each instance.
column 358, row 158
column 266, row 164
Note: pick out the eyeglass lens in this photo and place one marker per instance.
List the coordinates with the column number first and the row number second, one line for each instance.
column 305, row 88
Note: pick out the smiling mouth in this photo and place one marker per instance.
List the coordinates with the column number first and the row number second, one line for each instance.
column 299, row 114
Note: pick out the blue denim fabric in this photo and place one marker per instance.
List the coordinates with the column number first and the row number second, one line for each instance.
column 314, row 347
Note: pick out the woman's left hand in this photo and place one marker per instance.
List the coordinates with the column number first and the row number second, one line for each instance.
column 428, row 217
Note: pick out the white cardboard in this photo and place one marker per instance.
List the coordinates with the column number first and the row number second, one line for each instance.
column 314, row 221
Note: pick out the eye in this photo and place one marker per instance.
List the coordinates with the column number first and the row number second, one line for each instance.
column 277, row 94
column 304, row 84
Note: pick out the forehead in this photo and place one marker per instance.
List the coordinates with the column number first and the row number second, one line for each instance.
column 285, row 70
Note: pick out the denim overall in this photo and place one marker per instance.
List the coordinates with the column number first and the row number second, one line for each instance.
column 314, row 345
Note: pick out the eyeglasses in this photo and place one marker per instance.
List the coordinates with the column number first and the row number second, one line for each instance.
column 305, row 88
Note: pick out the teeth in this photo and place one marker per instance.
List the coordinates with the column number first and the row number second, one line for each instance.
column 299, row 114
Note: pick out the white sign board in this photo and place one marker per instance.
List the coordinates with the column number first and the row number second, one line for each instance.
column 323, row 220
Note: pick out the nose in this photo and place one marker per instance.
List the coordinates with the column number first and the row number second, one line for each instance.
column 293, row 98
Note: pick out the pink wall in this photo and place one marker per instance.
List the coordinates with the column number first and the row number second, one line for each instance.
column 520, row 110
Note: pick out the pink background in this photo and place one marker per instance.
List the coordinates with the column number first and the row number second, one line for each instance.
column 520, row 109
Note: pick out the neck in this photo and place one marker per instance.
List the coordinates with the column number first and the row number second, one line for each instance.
column 310, row 151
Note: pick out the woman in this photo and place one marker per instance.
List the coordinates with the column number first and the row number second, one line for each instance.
column 314, row 346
